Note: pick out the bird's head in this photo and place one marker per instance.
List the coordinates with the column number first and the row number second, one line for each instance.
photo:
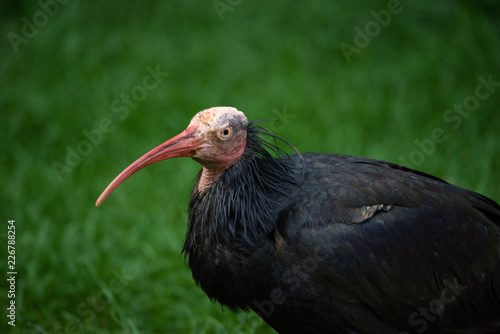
column 215, row 137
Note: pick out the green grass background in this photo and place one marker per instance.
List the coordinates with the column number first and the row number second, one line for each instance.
column 278, row 60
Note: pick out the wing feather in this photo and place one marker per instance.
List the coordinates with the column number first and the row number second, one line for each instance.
column 394, row 240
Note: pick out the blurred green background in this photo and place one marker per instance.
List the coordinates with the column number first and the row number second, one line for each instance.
column 77, row 106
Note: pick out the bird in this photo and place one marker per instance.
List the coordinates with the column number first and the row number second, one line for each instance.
column 330, row 243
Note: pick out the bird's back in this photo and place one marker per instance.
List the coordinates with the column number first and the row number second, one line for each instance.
column 378, row 248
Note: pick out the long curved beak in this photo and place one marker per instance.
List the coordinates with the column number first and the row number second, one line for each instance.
column 181, row 145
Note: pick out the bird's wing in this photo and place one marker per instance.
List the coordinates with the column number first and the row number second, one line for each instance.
column 394, row 240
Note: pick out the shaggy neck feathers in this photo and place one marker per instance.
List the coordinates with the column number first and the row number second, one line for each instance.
column 242, row 202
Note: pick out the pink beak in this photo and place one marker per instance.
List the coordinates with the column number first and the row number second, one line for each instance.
column 181, row 145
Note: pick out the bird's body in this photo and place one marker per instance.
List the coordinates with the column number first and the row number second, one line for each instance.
column 326, row 243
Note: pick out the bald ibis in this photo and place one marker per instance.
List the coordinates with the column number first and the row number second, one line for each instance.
column 327, row 243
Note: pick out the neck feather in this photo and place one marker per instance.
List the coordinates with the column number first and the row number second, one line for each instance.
column 240, row 202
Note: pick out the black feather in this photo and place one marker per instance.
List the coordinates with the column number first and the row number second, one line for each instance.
column 330, row 243
column 236, row 213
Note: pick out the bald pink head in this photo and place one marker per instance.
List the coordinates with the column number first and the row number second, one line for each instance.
column 215, row 137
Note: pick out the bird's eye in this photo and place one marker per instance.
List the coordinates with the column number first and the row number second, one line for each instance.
column 225, row 133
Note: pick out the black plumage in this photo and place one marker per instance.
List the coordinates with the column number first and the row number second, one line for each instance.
column 341, row 244
column 327, row 243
